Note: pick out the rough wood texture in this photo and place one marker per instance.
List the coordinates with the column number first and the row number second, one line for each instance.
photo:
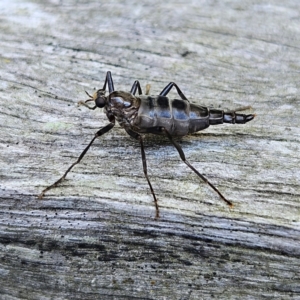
column 95, row 237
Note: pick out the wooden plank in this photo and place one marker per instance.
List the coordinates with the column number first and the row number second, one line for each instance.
column 96, row 236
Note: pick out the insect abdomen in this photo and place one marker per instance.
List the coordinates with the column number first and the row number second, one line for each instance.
column 179, row 117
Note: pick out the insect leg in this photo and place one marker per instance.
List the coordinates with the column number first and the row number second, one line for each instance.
column 109, row 82
column 167, row 89
column 98, row 133
column 136, row 86
column 182, row 156
column 137, row 136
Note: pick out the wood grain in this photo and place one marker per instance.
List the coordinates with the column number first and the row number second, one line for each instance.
column 95, row 237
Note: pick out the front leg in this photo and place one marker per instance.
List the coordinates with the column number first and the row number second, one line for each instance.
column 98, row 133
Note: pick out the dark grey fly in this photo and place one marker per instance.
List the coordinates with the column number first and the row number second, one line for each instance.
column 157, row 115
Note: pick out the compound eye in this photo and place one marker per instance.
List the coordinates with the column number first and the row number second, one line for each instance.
column 100, row 101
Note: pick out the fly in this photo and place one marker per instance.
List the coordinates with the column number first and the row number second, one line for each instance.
column 159, row 115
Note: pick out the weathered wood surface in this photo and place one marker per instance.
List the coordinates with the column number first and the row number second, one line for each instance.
column 95, row 237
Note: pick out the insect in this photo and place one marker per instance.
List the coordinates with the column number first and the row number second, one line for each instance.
column 159, row 115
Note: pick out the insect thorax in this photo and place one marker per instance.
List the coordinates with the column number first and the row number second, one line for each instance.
column 124, row 106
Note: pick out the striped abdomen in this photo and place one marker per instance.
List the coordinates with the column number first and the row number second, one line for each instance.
column 180, row 117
